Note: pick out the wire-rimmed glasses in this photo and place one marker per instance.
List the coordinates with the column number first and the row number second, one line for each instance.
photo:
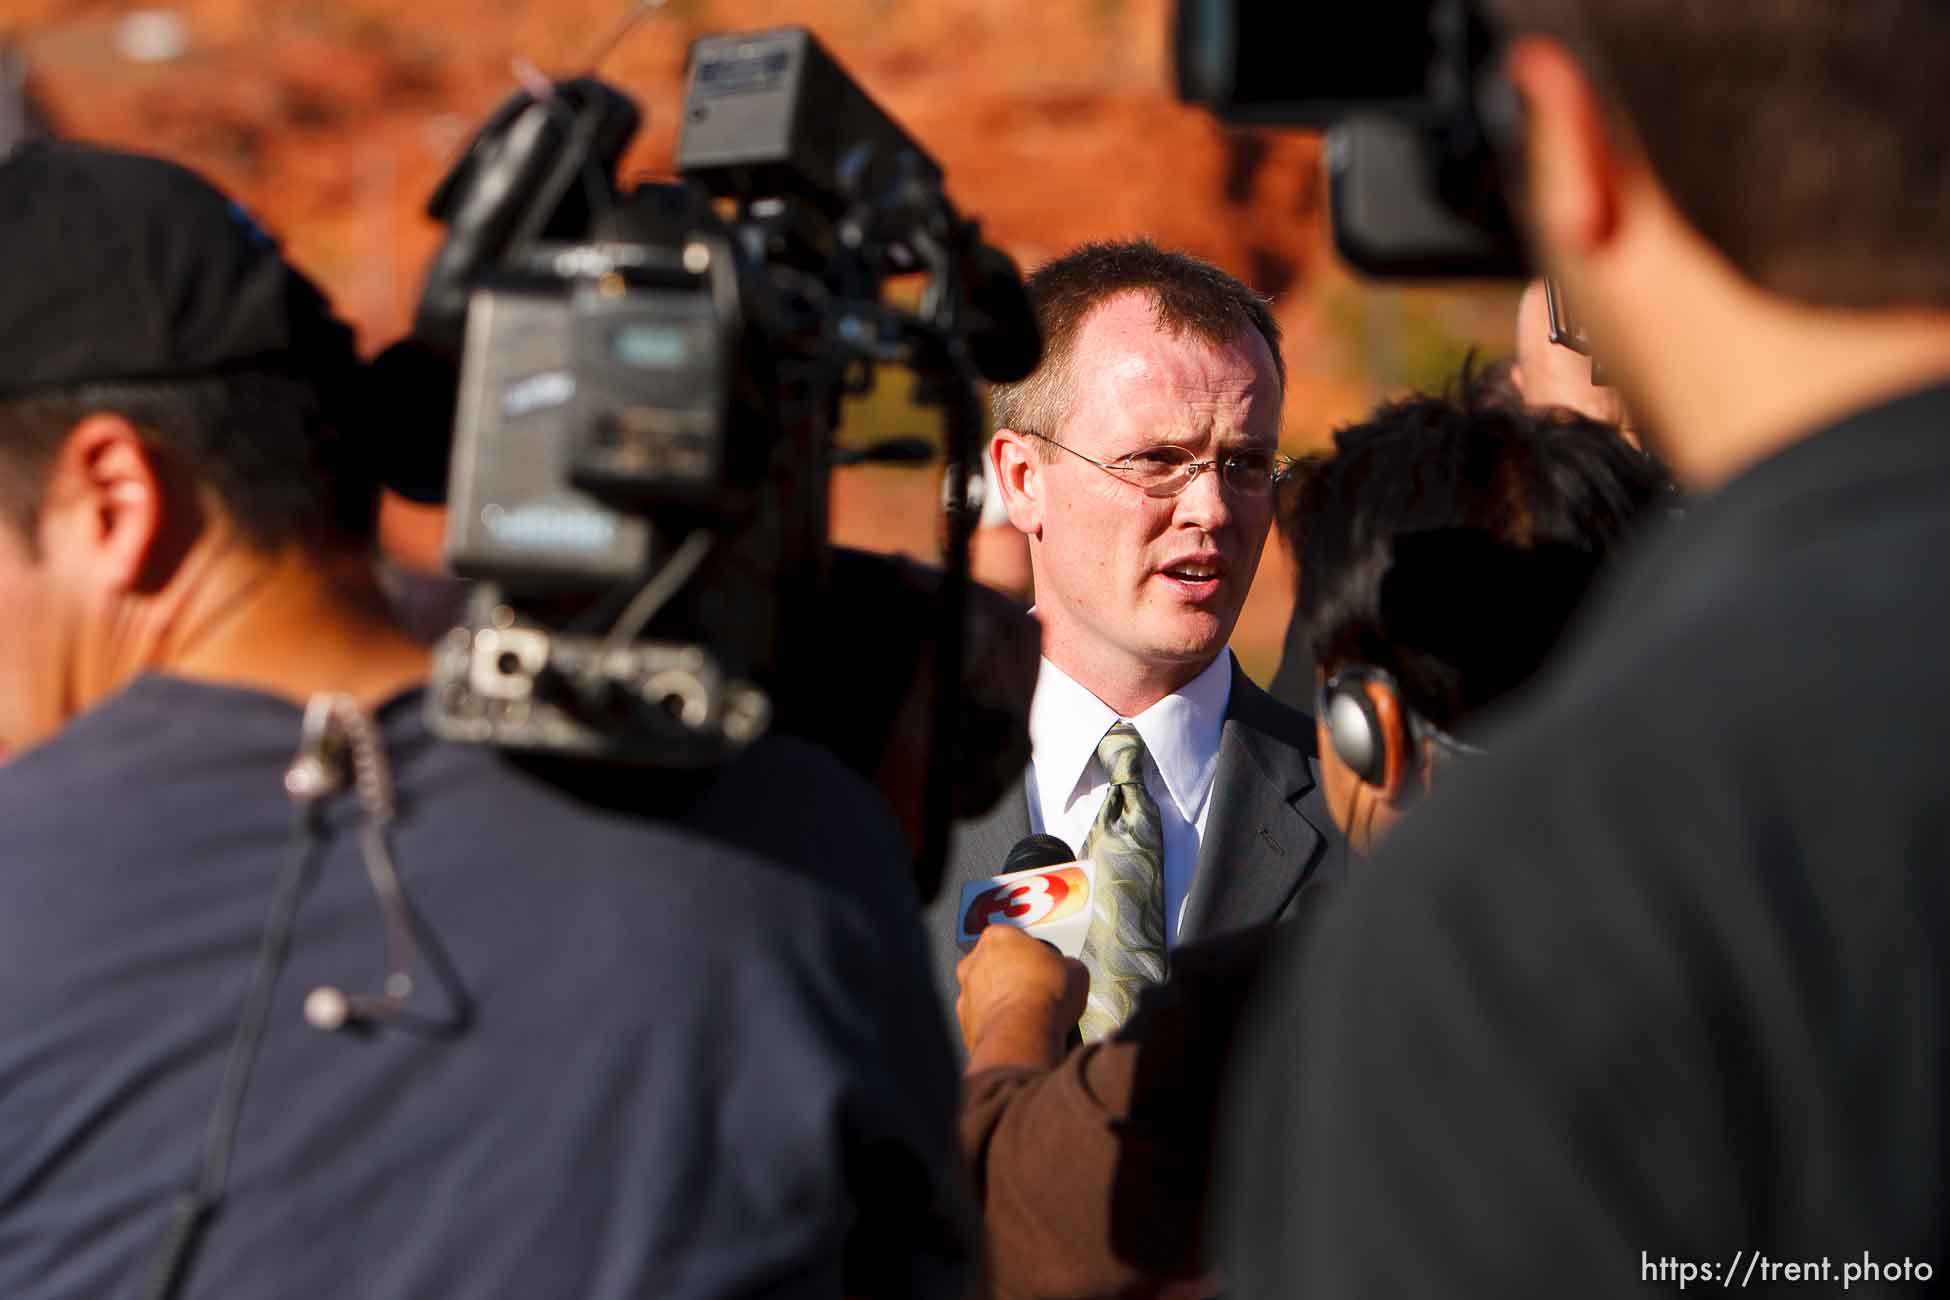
column 1166, row 470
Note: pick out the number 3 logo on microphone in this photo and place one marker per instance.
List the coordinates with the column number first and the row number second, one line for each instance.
column 1035, row 900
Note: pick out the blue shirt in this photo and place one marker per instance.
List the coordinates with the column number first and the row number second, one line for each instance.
column 704, row 1059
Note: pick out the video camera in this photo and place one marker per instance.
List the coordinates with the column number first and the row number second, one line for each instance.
column 1418, row 122
column 649, row 382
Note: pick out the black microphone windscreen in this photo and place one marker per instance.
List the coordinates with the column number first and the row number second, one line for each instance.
column 1004, row 341
column 411, row 390
column 1037, row 851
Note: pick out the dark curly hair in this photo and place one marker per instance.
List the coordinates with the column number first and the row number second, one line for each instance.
column 1448, row 539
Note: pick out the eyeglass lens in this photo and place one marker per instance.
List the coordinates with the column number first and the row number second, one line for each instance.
column 1166, row 470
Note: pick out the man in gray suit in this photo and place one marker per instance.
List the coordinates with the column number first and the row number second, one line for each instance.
column 1140, row 462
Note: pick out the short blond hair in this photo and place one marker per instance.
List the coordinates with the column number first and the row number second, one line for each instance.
column 1189, row 296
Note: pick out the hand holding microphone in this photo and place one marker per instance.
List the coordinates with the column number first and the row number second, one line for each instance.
column 1019, row 999
column 1042, row 889
column 1023, row 930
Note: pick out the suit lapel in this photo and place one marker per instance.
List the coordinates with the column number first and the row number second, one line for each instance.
column 974, row 853
column 1268, row 831
column 980, row 845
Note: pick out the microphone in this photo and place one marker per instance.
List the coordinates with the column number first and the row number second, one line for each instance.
column 1043, row 891
column 1037, row 851
column 409, row 393
column 1004, row 341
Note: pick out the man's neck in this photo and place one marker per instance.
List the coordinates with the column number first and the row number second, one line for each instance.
column 1726, row 376
column 290, row 624
column 1128, row 690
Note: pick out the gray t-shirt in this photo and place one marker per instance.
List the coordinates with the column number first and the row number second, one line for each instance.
column 703, row 1058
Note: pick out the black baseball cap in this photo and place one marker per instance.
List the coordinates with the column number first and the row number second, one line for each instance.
column 120, row 267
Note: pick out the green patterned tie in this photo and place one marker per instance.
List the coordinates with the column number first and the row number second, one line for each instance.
column 1125, row 945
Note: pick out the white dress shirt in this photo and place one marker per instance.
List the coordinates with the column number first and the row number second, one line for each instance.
column 1067, row 784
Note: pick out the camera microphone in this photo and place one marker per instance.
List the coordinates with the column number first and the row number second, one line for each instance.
column 408, row 396
column 1003, row 339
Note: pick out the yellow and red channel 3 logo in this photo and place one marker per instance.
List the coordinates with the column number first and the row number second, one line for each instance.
column 1034, row 900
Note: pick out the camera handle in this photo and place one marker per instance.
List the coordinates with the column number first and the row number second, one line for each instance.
column 963, row 419
column 509, row 184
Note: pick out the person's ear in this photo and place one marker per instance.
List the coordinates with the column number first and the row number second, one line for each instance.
column 103, row 517
column 1397, row 757
column 1573, row 165
column 1018, row 469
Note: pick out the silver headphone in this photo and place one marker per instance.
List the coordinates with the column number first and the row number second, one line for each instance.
column 1355, row 730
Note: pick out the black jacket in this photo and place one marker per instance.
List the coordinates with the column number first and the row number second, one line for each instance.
column 1659, row 991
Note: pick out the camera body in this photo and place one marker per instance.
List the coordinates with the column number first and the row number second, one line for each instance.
column 649, row 380
column 594, row 432
column 1418, row 121
column 589, row 398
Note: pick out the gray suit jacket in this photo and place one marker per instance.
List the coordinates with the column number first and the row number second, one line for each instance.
column 1267, row 836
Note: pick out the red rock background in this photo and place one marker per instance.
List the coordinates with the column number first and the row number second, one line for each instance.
column 1055, row 120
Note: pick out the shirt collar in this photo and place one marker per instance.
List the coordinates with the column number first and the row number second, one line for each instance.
column 1181, row 733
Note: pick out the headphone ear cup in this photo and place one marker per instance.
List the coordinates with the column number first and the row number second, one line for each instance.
column 1356, row 731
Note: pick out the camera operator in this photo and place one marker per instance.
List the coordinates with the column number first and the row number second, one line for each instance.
column 1653, row 993
column 685, row 1051
column 1446, row 544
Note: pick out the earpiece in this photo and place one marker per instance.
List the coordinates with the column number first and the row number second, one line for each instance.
column 330, row 1009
